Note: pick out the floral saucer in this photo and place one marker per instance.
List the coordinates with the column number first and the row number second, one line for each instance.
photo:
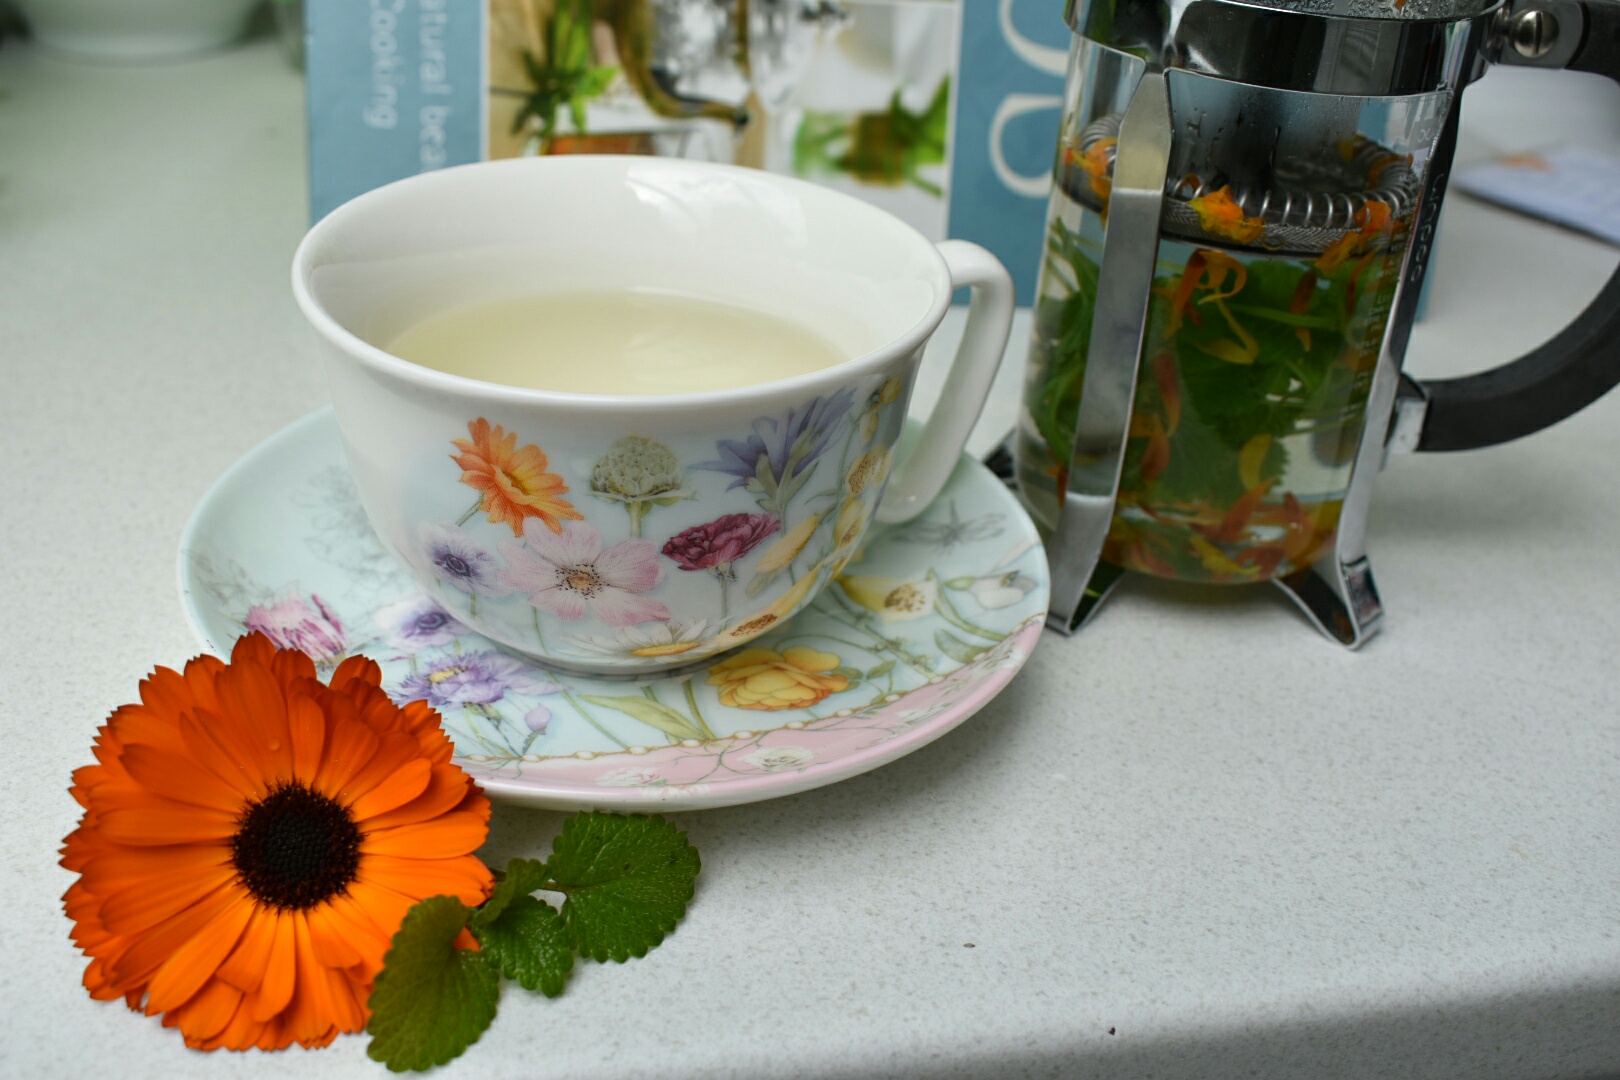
column 923, row 627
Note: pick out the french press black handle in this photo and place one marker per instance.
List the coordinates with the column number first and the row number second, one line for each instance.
column 1582, row 363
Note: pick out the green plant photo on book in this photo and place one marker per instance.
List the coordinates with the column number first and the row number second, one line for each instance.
column 564, row 77
column 887, row 148
column 625, row 880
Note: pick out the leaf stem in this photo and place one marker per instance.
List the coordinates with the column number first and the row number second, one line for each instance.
column 697, row 714
column 591, row 720
column 948, row 612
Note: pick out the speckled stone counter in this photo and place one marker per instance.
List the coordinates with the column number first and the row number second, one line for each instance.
column 1194, row 841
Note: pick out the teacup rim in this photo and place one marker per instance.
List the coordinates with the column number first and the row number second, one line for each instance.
column 844, row 372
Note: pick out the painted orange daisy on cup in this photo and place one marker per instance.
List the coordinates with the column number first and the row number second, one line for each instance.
column 251, row 840
column 513, row 482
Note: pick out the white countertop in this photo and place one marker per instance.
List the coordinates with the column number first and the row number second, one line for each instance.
column 1194, row 841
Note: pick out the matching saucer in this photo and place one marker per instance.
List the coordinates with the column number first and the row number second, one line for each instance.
column 924, row 626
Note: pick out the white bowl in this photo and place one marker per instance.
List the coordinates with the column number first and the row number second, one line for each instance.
column 136, row 30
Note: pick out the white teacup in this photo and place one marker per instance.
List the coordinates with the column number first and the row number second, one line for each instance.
column 625, row 533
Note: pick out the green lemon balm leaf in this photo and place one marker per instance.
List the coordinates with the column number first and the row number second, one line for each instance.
column 531, row 944
column 431, row 1000
column 627, row 878
column 522, row 877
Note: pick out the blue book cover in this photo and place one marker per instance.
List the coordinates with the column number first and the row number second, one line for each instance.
column 1013, row 60
column 396, row 87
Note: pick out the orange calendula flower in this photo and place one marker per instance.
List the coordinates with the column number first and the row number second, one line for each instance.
column 1370, row 221
column 1221, row 216
column 765, row 679
column 514, row 482
column 251, row 840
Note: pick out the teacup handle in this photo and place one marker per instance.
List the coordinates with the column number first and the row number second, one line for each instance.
column 918, row 480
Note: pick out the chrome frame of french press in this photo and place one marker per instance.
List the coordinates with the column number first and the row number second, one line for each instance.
column 1326, row 50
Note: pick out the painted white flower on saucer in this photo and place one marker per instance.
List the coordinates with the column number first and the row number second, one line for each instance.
column 645, row 640
column 780, row 758
column 570, row 573
column 1001, row 590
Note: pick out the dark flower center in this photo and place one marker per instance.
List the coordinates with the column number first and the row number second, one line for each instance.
column 296, row 848
column 433, row 620
column 454, row 565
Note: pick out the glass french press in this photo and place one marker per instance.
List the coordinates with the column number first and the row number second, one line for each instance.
column 1244, row 198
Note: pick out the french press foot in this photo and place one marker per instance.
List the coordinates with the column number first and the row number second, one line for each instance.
column 1339, row 597
column 1346, row 610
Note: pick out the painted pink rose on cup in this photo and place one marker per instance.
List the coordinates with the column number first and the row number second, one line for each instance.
column 570, row 573
column 292, row 623
column 714, row 546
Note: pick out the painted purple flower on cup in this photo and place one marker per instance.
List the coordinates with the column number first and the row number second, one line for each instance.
column 537, row 720
column 570, row 573
column 716, row 545
column 477, row 678
column 461, row 561
column 417, row 622
column 775, row 461
column 294, row 623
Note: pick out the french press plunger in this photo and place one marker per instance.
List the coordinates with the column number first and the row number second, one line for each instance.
column 1244, row 198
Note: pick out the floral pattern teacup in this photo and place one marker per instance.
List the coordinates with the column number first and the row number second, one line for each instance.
column 633, row 533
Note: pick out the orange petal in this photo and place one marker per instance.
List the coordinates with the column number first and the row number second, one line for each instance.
column 200, row 673
column 166, row 823
column 348, row 1010
column 307, row 724
column 274, row 1036
column 195, row 962
column 148, row 902
column 310, row 1012
column 441, row 838
column 464, row 878
column 241, row 1032
column 245, row 967
column 396, row 789
column 350, row 746
column 166, row 694
column 206, row 1015
column 394, row 750
column 250, row 695
column 291, row 666
column 136, row 965
column 105, row 872
column 177, row 777
column 253, row 648
column 204, row 747
column 444, row 793
column 360, row 930
column 276, row 988
column 356, row 667
column 327, row 941
column 383, row 905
